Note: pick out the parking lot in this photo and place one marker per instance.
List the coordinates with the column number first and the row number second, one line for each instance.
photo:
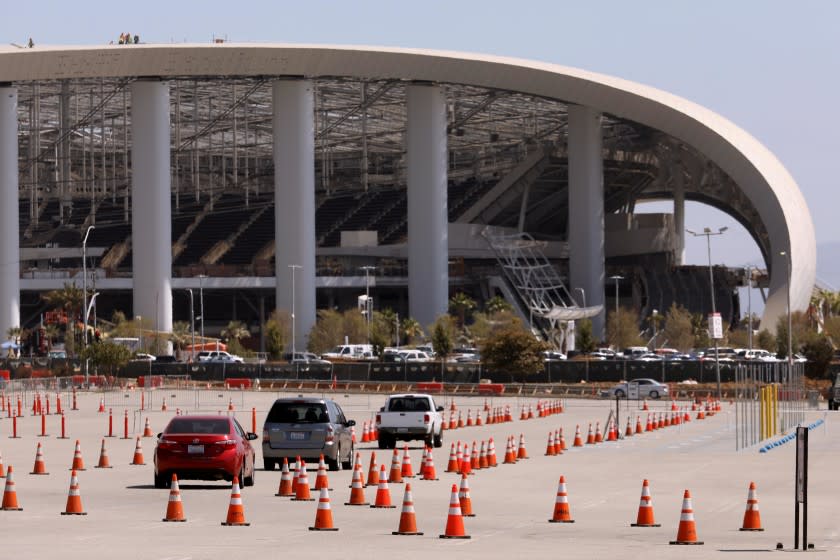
column 512, row 503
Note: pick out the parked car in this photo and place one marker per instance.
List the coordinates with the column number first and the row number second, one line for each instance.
column 166, row 359
column 143, row 357
column 307, row 358
column 413, row 356
column 647, row 388
column 834, row 394
column 408, row 417
column 349, row 352
column 307, row 427
column 204, row 447
column 219, row 356
column 553, row 356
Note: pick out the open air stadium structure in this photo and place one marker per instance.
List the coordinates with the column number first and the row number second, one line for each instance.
column 273, row 176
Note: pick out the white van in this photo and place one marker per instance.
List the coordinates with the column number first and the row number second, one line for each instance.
column 349, row 352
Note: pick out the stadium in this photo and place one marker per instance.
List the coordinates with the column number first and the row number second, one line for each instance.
column 300, row 177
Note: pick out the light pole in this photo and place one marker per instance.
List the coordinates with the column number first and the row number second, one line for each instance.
column 84, row 279
column 749, row 309
column 708, row 233
column 368, row 306
column 294, row 268
column 201, row 278
column 790, row 321
column 192, row 326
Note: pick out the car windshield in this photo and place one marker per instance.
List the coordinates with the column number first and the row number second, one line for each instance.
column 198, row 426
column 298, row 413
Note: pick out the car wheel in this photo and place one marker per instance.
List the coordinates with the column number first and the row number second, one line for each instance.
column 335, row 464
column 438, row 440
column 268, row 464
column 654, row 394
column 619, row 393
column 160, row 481
column 348, row 464
column 249, row 480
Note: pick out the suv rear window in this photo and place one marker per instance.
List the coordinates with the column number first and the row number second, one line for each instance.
column 188, row 426
column 297, row 413
column 408, row 404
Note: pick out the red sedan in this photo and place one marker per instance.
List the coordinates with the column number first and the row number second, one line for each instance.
column 204, row 447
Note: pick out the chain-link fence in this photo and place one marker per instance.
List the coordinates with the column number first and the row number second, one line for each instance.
column 770, row 399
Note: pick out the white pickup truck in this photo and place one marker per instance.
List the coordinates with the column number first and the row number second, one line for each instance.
column 409, row 417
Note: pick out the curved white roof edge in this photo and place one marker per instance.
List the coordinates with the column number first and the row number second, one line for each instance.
column 756, row 171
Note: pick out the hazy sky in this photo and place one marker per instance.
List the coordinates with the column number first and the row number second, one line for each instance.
column 769, row 66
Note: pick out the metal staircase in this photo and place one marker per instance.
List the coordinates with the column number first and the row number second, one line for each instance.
column 536, row 284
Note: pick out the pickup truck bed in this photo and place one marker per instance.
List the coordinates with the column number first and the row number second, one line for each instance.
column 409, row 417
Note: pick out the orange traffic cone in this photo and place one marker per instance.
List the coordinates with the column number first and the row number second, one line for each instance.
column 408, row 520
column 645, row 405
column 521, row 453
column 2, row 472
column 578, row 441
column 464, row 498
column 357, row 490
column 629, row 431
column 78, row 463
column 406, row 471
column 230, row 404
column 323, row 515
column 475, row 463
column 482, row 456
column 491, row 454
column 174, row 507
column 285, row 488
column 104, row 462
column 429, row 472
column 561, row 504
column 74, row 498
column 395, row 476
column 163, row 406
column 645, row 515
column 40, row 467
column 358, row 464
column 549, row 447
column 373, row 472
column 101, row 405
column 321, row 479
column 138, row 454
column 752, row 518
column 383, row 492
column 510, row 452
column 590, row 438
column 302, row 486
column 236, row 513
column 639, row 429
column 561, row 441
column 452, row 464
column 10, row 502
column 687, row 532
column 147, row 429
column 454, row 521
column 598, row 436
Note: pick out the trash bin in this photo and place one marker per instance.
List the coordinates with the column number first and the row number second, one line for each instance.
column 813, row 399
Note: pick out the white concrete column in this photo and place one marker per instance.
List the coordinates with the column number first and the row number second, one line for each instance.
column 679, row 212
column 294, row 201
column 586, row 210
column 9, row 236
column 428, row 250
column 151, row 216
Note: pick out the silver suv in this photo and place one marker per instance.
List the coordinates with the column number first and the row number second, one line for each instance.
column 647, row 388
column 307, row 427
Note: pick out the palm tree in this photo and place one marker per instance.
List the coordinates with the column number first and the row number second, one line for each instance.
column 235, row 330
column 69, row 300
column 496, row 304
column 462, row 305
column 411, row 329
column 181, row 335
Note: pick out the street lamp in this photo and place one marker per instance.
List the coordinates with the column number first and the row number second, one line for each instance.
column 368, row 306
column 201, row 278
column 749, row 309
column 708, row 233
column 790, row 322
column 616, row 278
column 294, row 268
column 84, row 278
column 192, row 326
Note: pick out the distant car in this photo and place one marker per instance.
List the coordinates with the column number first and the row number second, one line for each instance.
column 57, row 354
column 649, row 357
column 219, row 356
column 143, row 357
column 413, row 356
column 307, row 427
column 305, row 358
column 553, row 356
column 204, row 447
column 647, row 388
column 166, row 359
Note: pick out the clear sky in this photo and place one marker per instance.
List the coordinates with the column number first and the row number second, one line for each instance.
column 772, row 67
